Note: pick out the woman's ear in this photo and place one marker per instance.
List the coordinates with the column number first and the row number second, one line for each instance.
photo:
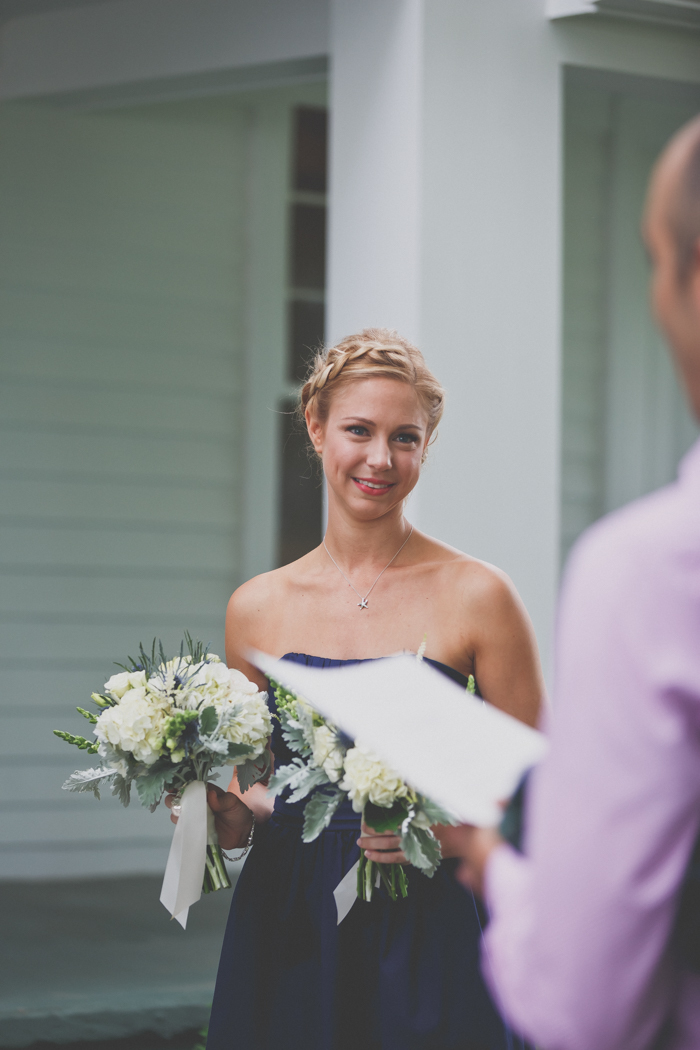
column 315, row 430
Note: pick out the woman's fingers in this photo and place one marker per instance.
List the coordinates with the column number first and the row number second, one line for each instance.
column 379, row 842
column 386, row 857
column 169, row 801
column 382, row 847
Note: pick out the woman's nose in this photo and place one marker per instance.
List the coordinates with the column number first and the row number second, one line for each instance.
column 379, row 455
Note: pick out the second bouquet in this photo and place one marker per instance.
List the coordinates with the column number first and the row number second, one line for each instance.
column 328, row 768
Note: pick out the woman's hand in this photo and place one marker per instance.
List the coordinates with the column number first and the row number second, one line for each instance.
column 232, row 817
column 383, row 847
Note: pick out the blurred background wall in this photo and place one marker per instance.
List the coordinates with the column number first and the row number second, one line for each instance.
column 174, row 247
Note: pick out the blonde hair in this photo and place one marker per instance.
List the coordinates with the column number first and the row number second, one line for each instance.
column 371, row 353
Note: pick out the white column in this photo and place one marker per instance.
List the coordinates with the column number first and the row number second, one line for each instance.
column 491, row 287
column 375, row 161
column 445, row 199
column 375, row 170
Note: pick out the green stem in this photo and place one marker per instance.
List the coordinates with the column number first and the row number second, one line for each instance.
column 215, row 874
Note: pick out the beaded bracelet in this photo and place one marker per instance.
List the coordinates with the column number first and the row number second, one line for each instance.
column 247, row 846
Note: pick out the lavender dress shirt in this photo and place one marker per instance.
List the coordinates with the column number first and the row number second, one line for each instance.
column 577, row 951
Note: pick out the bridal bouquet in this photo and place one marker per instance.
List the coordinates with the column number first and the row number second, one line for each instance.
column 162, row 725
column 329, row 768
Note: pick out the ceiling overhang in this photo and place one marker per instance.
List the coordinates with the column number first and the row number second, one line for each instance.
column 685, row 13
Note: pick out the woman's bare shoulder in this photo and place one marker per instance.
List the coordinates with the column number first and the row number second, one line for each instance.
column 476, row 581
column 257, row 598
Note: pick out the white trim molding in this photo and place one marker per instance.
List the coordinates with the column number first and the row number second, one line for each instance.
column 684, row 13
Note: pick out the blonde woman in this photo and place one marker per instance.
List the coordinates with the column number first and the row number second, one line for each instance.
column 392, row 976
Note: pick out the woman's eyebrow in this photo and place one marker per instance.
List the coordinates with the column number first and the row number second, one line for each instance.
column 371, row 423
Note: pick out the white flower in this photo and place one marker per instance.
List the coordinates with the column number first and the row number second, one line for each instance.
column 367, row 779
column 245, row 719
column 327, row 753
column 118, row 684
column 135, row 725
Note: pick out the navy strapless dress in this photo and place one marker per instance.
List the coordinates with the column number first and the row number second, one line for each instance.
column 398, row 975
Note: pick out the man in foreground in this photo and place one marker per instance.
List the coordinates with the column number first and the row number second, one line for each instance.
column 584, row 950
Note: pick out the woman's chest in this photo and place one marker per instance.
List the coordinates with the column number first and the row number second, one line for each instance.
column 340, row 624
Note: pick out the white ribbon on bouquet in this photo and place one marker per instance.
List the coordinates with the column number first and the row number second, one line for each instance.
column 345, row 892
column 184, row 872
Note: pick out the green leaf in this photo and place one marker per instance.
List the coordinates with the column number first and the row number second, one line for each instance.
column 254, row 770
column 285, row 776
column 314, row 777
column 435, row 814
column 208, row 721
column 385, row 818
column 318, row 813
column 87, row 780
column 238, row 750
column 121, row 788
column 150, row 787
column 422, row 850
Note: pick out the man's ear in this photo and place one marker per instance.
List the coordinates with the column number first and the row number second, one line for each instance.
column 694, row 281
column 315, row 430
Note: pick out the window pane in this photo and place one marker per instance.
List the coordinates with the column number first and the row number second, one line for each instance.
column 301, row 496
column 308, row 246
column 306, row 332
column 310, row 149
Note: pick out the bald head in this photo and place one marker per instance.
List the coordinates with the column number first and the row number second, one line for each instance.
column 677, row 184
column 672, row 234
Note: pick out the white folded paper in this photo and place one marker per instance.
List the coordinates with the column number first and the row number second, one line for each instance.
column 460, row 752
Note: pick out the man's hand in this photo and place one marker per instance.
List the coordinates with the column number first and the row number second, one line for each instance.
column 473, row 846
column 232, row 817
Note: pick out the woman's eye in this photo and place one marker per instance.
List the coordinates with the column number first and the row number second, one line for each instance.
column 358, row 430
column 407, row 439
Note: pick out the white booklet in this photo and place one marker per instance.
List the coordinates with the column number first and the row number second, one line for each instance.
column 452, row 747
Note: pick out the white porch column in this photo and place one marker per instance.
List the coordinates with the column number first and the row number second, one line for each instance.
column 445, row 199
column 375, row 160
column 491, row 287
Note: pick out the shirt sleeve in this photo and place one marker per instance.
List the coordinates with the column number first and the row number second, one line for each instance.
column 576, row 950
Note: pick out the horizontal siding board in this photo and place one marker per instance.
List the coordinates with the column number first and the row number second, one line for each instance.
column 117, row 546
column 117, row 501
column 142, row 452
column 44, row 309
column 35, row 596
column 124, row 408
column 86, row 820
column 102, row 363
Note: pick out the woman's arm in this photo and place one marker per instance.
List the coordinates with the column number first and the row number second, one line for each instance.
column 504, row 650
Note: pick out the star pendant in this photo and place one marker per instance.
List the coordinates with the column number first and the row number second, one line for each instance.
column 362, row 604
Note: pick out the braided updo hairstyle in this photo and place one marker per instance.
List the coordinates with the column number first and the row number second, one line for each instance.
column 372, row 353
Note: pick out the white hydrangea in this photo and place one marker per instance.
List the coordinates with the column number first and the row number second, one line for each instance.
column 245, row 719
column 327, row 753
column 136, row 725
column 120, row 683
column 367, row 779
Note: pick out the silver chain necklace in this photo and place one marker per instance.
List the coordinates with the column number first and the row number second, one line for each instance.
column 362, row 604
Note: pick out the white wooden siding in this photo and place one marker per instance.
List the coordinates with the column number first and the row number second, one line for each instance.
column 121, row 407
column 625, row 424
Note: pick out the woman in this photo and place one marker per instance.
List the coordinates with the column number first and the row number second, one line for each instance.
column 392, row 976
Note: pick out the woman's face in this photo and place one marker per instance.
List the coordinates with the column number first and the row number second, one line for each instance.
column 371, row 444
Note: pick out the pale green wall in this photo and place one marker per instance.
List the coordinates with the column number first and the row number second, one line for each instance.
column 624, row 421
column 143, row 258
